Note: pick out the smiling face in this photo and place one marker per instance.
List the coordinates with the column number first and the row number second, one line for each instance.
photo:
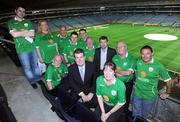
column 63, row 31
column 20, row 13
column 43, row 26
column 57, row 61
column 90, row 42
column 74, row 38
column 109, row 73
column 79, row 59
column 146, row 55
column 121, row 48
column 83, row 34
column 103, row 43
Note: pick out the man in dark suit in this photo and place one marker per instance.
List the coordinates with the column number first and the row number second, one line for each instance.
column 82, row 79
column 102, row 55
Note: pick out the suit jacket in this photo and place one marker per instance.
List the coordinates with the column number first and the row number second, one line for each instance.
column 97, row 56
column 76, row 83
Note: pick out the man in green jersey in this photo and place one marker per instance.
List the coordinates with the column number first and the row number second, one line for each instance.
column 125, row 66
column 70, row 48
column 62, row 38
column 54, row 74
column 148, row 73
column 90, row 49
column 83, row 37
column 23, row 33
column 110, row 92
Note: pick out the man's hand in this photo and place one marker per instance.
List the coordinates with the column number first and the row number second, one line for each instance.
column 49, row 85
column 164, row 95
column 41, row 60
column 105, row 116
column 90, row 96
column 84, row 97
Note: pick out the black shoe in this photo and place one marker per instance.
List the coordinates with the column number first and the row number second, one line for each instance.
column 40, row 82
column 34, row 86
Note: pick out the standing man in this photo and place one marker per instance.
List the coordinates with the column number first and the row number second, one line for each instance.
column 22, row 32
column 83, row 37
column 125, row 66
column 70, row 47
column 102, row 55
column 62, row 38
column 148, row 73
column 82, row 79
column 90, row 49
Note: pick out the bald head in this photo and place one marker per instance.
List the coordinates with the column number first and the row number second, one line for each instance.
column 57, row 61
column 122, row 48
column 90, row 42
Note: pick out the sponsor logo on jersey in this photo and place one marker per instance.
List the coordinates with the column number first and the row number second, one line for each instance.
column 143, row 74
column 90, row 58
column 50, row 41
column 70, row 53
column 117, row 69
column 106, row 98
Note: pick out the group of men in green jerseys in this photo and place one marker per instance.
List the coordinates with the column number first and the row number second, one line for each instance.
column 144, row 72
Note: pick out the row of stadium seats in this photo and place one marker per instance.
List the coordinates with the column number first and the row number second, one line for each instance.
column 82, row 21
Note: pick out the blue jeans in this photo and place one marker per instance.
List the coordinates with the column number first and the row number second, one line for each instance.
column 142, row 107
column 29, row 61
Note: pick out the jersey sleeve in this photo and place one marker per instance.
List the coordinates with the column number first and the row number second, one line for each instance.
column 10, row 26
column 65, row 70
column 121, row 94
column 133, row 64
column 49, row 74
column 37, row 40
column 164, row 73
column 113, row 59
column 98, row 93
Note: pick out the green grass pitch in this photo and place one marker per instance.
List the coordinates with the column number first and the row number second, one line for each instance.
column 167, row 53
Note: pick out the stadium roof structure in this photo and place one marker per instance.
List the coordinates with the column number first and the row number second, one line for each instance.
column 9, row 5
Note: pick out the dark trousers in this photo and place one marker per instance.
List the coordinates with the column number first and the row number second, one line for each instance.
column 54, row 91
column 93, row 103
column 74, row 108
column 129, row 86
column 117, row 116
column 66, row 87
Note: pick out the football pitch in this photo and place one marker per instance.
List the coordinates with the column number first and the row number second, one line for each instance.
column 167, row 52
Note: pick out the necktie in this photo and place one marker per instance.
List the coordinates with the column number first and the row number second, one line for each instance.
column 82, row 73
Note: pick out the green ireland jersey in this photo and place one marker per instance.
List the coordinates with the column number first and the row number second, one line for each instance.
column 89, row 53
column 69, row 51
column 61, row 41
column 47, row 46
column 112, row 94
column 127, row 63
column 147, row 78
column 55, row 74
column 82, row 43
column 21, row 43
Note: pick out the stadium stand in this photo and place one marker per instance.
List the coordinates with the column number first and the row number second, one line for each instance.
column 161, row 13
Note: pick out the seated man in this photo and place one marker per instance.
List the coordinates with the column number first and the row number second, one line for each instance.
column 82, row 79
column 54, row 74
